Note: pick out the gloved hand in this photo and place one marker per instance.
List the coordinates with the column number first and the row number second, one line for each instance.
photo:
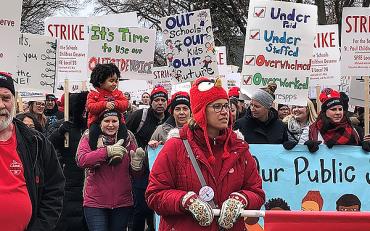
column 201, row 211
column 65, row 127
column 366, row 146
column 289, row 145
column 312, row 146
column 330, row 144
column 115, row 152
column 231, row 210
column 137, row 159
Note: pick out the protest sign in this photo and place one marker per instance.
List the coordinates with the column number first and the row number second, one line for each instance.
column 233, row 80
column 73, row 40
column 189, row 45
column 221, row 56
column 161, row 76
column 325, row 66
column 355, row 41
column 135, row 87
column 181, row 87
column 10, row 21
column 131, row 49
column 36, row 64
column 356, row 91
column 278, row 48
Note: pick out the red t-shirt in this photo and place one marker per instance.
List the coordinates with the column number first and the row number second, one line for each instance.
column 15, row 203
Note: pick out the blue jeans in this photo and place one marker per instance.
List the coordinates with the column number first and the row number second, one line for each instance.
column 98, row 219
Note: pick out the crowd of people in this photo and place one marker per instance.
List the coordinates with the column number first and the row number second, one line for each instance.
column 103, row 178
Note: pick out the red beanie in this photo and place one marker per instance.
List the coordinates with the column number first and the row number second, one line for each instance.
column 180, row 97
column 234, row 92
column 203, row 92
column 329, row 98
column 158, row 91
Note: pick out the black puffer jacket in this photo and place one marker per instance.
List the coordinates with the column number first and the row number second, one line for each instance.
column 72, row 217
column 273, row 131
column 44, row 177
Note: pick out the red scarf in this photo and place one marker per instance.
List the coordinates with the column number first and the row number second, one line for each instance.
column 338, row 133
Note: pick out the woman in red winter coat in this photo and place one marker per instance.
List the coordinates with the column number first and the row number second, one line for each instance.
column 230, row 173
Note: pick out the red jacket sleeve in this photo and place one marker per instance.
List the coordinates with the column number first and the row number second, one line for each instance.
column 161, row 194
column 120, row 102
column 252, row 185
column 94, row 106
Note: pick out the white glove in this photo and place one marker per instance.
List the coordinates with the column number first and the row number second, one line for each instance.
column 116, row 149
column 231, row 210
column 137, row 159
column 201, row 211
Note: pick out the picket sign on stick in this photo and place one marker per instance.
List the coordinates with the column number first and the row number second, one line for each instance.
column 18, row 100
column 366, row 113
column 318, row 102
column 244, row 213
column 84, row 86
column 66, row 110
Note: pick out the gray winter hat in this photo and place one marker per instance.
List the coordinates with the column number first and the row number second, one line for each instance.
column 263, row 97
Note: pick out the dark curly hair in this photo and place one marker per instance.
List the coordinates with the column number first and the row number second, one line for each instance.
column 277, row 202
column 22, row 116
column 101, row 72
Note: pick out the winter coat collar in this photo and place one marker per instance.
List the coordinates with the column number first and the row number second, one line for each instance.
column 273, row 116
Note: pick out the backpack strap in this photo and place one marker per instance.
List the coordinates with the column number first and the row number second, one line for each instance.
column 143, row 118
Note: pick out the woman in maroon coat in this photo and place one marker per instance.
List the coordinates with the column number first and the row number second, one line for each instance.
column 230, row 172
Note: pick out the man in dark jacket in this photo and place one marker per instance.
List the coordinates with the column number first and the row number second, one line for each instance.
column 72, row 217
column 51, row 112
column 32, row 182
column 143, row 124
column 261, row 124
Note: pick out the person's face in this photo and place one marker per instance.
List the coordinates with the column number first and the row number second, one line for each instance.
column 300, row 113
column 352, row 208
column 29, row 122
column 310, row 206
column 241, row 105
column 258, row 111
column 109, row 125
column 283, row 112
column 217, row 114
column 145, row 99
column 233, row 110
column 159, row 104
column 181, row 113
column 110, row 84
column 335, row 113
column 50, row 104
column 38, row 107
column 7, row 108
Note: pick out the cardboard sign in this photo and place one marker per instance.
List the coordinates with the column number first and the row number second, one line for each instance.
column 10, row 21
column 357, row 92
column 161, row 76
column 278, row 48
column 130, row 49
column 221, row 56
column 73, row 36
column 355, row 41
column 189, row 44
column 325, row 66
column 36, row 65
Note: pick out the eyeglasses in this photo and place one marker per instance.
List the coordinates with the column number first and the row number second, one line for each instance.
column 217, row 107
column 40, row 104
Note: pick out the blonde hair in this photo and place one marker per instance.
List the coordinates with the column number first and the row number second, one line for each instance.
column 311, row 111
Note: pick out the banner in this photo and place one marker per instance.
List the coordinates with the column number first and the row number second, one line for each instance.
column 131, row 49
column 36, row 64
column 325, row 68
column 189, row 45
column 355, row 41
column 10, row 23
column 73, row 37
column 278, row 48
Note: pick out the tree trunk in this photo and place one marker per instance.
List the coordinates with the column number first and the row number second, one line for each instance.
column 321, row 12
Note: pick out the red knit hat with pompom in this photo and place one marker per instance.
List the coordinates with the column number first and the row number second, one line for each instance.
column 234, row 92
column 329, row 98
column 203, row 92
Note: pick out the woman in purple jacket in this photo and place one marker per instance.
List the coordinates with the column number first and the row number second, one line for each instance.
column 107, row 191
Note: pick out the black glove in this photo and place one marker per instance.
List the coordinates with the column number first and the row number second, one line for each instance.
column 289, row 145
column 366, row 146
column 330, row 144
column 312, row 146
column 65, row 127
